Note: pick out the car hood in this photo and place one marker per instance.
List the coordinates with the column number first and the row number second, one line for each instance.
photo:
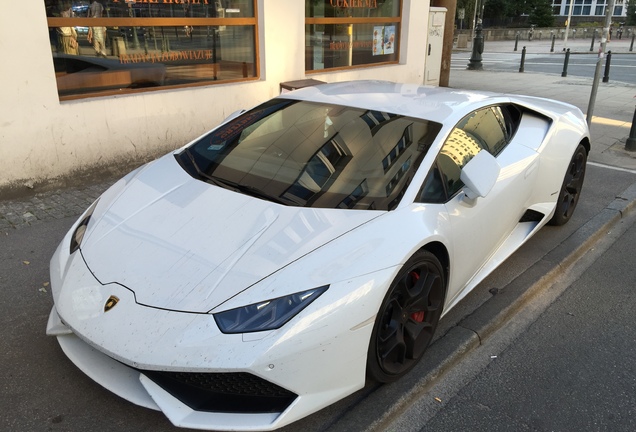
column 182, row 244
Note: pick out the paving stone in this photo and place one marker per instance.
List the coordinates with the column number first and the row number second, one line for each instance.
column 29, row 217
column 55, row 204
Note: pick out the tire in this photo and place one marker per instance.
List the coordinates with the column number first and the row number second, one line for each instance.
column 571, row 188
column 407, row 318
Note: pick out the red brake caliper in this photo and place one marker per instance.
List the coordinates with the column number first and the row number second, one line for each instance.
column 417, row 316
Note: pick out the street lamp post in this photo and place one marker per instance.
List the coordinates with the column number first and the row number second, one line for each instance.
column 478, row 42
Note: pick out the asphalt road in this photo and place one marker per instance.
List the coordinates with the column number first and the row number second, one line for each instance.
column 622, row 66
column 43, row 390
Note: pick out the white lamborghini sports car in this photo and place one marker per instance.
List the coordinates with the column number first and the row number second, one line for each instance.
column 266, row 269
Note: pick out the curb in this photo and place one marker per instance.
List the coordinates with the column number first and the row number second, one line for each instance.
column 387, row 402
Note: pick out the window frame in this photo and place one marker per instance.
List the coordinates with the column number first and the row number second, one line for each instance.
column 397, row 21
column 161, row 22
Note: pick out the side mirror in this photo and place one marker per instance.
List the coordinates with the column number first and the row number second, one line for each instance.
column 480, row 175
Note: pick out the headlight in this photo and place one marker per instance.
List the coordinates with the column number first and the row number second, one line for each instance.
column 78, row 234
column 266, row 315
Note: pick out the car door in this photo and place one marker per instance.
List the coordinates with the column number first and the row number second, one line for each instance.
column 479, row 227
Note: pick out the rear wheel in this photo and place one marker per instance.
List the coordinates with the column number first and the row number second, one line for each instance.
column 407, row 318
column 571, row 188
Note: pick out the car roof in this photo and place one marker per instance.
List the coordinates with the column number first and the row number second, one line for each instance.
column 440, row 104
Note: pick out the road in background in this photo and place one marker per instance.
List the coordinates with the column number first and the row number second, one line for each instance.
column 501, row 56
column 622, row 66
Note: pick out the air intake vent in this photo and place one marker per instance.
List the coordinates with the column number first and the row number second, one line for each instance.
column 224, row 392
column 531, row 216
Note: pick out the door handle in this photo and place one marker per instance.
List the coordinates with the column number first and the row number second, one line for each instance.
column 429, row 49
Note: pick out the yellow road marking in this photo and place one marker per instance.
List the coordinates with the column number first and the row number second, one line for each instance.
column 610, row 122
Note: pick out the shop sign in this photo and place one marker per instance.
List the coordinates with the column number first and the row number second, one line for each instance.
column 166, row 56
column 371, row 4
column 350, row 45
column 205, row 2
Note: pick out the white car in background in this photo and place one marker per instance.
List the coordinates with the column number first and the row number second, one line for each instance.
column 266, row 269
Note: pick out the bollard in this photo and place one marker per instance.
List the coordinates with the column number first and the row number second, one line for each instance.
column 540, row 34
column 607, row 66
column 552, row 35
column 565, row 63
column 516, row 41
column 553, row 39
column 631, row 47
column 523, row 59
column 593, row 38
column 630, row 144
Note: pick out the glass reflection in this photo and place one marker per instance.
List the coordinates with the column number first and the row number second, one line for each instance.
column 314, row 155
column 337, row 45
column 92, row 57
column 141, row 57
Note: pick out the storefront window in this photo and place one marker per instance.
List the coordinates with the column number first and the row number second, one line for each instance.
column 103, row 47
column 351, row 33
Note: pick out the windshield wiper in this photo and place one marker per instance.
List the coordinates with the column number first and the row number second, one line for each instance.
column 203, row 175
column 233, row 186
column 248, row 190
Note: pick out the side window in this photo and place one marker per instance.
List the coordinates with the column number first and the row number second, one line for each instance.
column 512, row 114
column 443, row 181
column 488, row 127
column 485, row 129
column 433, row 190
column 459, row 148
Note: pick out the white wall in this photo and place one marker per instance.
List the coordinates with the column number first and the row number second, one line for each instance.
column 43, row 140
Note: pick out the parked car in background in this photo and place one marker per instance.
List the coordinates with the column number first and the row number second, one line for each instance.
column 83, row 73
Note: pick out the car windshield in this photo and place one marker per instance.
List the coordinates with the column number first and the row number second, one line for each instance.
column 313, row 155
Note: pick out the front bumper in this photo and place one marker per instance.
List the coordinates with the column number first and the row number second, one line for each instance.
column 134, row 386
column 151, row 357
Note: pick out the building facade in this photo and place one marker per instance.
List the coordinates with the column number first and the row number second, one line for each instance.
column 92, row 85
column 589, row 8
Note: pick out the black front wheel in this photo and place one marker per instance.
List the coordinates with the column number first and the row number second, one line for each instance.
column 407, row 318
column 571, row 188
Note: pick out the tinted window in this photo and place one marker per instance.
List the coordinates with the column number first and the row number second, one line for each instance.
column 488, row 127
column 512, row 115
column 458, row 150
column 485, row 129
column 433, row 190
column 314, row 155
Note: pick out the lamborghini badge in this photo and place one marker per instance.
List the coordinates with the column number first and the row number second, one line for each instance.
column 110, row 303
